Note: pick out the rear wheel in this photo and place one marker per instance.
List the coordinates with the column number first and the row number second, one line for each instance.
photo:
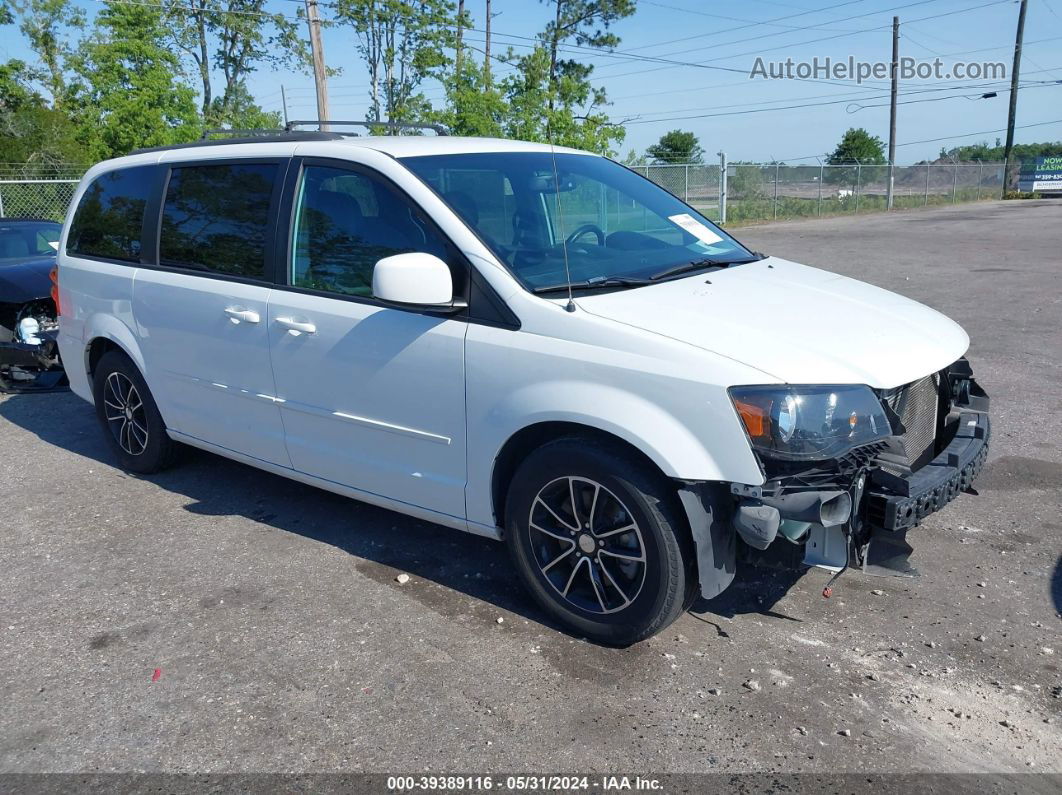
column 599, row 541
column 129, row 417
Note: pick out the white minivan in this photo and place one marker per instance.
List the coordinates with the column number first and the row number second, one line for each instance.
column 531, row 344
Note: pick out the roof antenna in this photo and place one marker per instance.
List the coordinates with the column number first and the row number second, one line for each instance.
column 570, row 306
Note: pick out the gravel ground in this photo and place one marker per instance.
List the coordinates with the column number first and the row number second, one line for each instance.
column 216, row 618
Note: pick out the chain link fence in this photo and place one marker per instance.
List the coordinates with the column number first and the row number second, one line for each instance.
column 774, row 191
column 36, row 198
column 752, row 191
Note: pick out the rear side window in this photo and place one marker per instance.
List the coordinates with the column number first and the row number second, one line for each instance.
column 110, row 215
column 216, row 218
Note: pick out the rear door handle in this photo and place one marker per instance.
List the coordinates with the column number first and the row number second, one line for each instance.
column 237, row 315
column 296, row 327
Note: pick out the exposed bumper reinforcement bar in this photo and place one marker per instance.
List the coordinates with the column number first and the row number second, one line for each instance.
column 898, row 503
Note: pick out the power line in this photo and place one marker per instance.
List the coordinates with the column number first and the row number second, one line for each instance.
column 827, row 96
column 812, row 105
column 813, row 41
column 807, row 27
column 750, row 23
column 982, row 132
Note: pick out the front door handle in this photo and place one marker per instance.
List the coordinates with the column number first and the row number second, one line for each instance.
column 237, row 315
column 297, row 327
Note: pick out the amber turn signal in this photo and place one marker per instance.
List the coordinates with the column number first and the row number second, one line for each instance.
column 756, row 416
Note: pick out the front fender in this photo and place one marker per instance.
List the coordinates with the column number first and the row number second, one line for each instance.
column 650, row 428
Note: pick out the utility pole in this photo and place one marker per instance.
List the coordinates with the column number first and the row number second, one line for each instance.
column 284, row 102
column 320, row 76
column 460, row 31
column 486, row 49
column 892, row 109
column 1014, row 92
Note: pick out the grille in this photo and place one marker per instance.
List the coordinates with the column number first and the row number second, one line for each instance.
column 916, row 404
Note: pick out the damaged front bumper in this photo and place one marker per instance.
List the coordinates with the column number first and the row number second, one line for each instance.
column 31, row 366
column 897, row 503
column 853, row 511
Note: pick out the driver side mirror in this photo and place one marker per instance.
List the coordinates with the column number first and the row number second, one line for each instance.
column 415, row 280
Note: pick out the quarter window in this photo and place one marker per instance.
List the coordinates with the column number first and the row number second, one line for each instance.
column 216, row 218
column 110, row 216
column 345, row 222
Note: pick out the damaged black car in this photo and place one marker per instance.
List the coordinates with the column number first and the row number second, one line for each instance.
column 29, row 320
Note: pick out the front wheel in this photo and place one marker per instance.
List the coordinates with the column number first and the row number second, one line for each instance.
column 599, row 541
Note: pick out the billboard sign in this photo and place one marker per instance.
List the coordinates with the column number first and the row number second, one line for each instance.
column 1046, row 175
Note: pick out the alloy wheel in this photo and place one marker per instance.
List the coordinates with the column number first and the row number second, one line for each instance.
column 587, row 544
column 124, row 411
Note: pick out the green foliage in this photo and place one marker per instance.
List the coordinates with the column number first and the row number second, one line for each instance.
column 1023, row 153
column 566, row 112
column 635, row 160
column 856, row 147
column 42, row 22
column 748, row 181
column 233, row 37
column 237, row 110
column 403, row 42
column 586, row 22
column 41, row 136
column 474, row 105
column 134, row 96
column 676, row 146
column 16, row 86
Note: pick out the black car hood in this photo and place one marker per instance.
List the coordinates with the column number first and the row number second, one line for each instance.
column 25, row 280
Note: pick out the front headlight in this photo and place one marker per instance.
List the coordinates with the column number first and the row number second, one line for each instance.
column 806, row 423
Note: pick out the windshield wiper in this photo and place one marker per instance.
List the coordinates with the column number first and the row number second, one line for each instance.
column 698, row 264
column 593, row 284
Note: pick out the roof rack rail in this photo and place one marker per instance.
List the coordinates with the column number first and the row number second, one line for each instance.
column 273, row 137
column 250, row 133
column 439, row 129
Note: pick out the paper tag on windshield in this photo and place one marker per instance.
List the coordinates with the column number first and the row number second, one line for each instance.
column 694, row 227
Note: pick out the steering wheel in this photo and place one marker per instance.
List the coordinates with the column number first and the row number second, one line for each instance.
column 585, row 229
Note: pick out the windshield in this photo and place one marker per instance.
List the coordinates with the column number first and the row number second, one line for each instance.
column 25, row 239
column 615, row 224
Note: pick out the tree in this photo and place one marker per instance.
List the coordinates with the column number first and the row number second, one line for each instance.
column 585, row 21
column 16, row 86
column 994, row 154
column 574, row 115
column 403, row 42
column 677, row 146
column 567, row 113
column 551, row 98
column 42, row 22
column 233, row 37
column 859, row 148
column 475, row 106
column 238, row 110
column 635, row 160
column 134, row 95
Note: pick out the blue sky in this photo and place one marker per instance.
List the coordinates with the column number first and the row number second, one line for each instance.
column 727, row 35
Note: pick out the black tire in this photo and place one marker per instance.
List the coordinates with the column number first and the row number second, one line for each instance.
column 142, row 451
column 594, row 607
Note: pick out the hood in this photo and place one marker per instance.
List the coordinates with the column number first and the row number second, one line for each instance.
column 25, row 279
column 796, row 324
